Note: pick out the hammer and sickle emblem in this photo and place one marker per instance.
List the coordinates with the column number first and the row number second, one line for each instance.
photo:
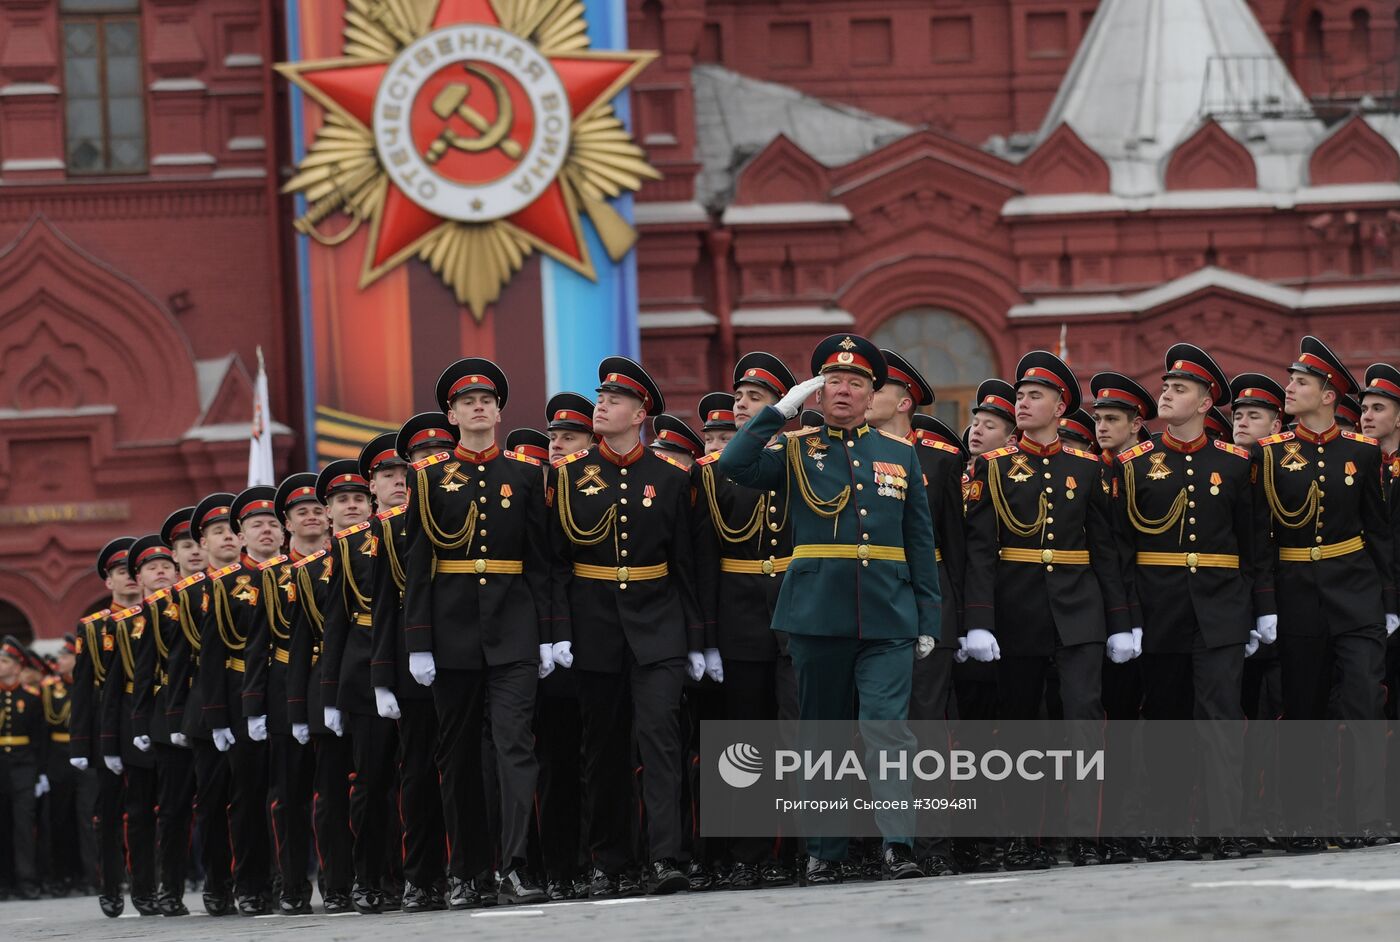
column 452, row 102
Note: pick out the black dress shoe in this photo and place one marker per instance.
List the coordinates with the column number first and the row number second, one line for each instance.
column 112, row 906
column 898, row 863
column 699, row 877
column 558, row 890
column 294, row 906
column 146, row 905
column 1083, row 853
column 335, row 903
column 416, row 899
column 776, row 874
column 822, row 872
column 1226, row 848
column 936, row 865
column 518, row 889
column 172, row 905
column 745, row 877
column 665, row 878
column 1113, row 850
column 601, row 885
column 251, row 906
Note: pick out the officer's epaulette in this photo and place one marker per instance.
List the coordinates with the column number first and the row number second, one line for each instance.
column 935, row 443
column 95, row 616
column 565, row 459
column 391, row 512
column 1358, row 437
column 1079, row 452
column 1141, row 448
column 351, row 531
column 277, row 560
column 1233, row 449
column 1000, row 452
column 187, row 582
column 422, row 463
column 307, row 560
column 126, row 613
column 669, row 460
column 1275, row 439
column 155, row 597
column 220, row 573
column 517, row 456
column 899, row 438
column 711, row 458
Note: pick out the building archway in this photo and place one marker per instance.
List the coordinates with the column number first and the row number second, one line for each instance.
column 949, row 349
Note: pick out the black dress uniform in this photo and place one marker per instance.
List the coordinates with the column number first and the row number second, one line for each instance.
column 477, row 599
column 345, row 674
column 24, row 745
column 96, row 651
column 1334, row 583
column 236, row 605
column 624, row 598
column 1196, row 557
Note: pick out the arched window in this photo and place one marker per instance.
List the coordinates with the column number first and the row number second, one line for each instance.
column 952, row 353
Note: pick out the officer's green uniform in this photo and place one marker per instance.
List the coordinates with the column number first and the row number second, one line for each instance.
column 863, row 582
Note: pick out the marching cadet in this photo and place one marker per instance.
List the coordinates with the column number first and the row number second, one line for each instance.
column 623, row 588
column 1257, row 407
column 863, row 584
column 236, row 604
column 743, row 549
column 334, row 762
column 378, row 475
column 74, row 858
column 398, row 696
column 1199, row 576
column 102, row 803
column 126, row 743
column 894, row 411
column 24, row 745
column 1043, row 580
column 1333, row 580
column 476, row 615
column 569, row 421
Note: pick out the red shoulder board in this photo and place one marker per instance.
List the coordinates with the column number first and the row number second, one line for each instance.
column 422, row 463
column 517, row 456
column 1275, row 439
column 274, row 561
column 126, row 613
column 1141, row 448
column 1000, row 452
column 305, row 560
column 187, row 582
column 669, row 460
column 1233, row 449
column 935, row 443
column 711, row 458
column 1358, row 437
column 1080, row 453
column 157, row 596
column 565, row 459
column 220, row 573
column 95, row 616
column 393, row 512
column 351, row 531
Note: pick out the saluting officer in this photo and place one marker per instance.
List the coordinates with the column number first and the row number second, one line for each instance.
column 398, row 695
column 24, row 745
column 1043, row 580
column 96, row 651
column 624, row 591
column 863, row 583
column 1334, row 583
column 476, row 623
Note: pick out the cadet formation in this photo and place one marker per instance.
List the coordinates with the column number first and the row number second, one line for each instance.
column 469, row 670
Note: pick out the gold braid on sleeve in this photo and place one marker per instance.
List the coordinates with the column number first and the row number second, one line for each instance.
column 1003, row 509
column 1292, row 519
column 440, row 538
column 1174, row 516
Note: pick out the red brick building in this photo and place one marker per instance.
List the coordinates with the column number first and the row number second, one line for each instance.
column 957, row 178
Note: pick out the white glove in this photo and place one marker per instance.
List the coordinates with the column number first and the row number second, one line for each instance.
column 1120, row 647
column 789, row 404
column 960, row 656
column 257, row 728
column 41, row 787
column 301, row 732
column 546, row 660
column 1267, row 626
column 332, row 719
column 142, row 743
column 223, row 739
column 1137, row 642
column 695, row 666
column 1253, row 644
column 385, row 703
column 79, row 763
column 923, row 647
column 982, row 645
column 714, row 667
column 113, row 763
column 422, row 667
column 179, row 739
column 1391, row 623
column 563, row 653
